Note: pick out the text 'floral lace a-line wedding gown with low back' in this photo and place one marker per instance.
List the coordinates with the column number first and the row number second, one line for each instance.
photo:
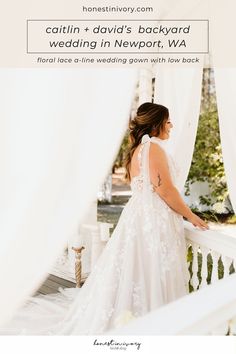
column 142, row 267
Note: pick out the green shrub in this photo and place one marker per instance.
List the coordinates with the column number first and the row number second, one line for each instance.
column 207, row 163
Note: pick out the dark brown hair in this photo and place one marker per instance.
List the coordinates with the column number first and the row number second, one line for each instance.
column 150, row 119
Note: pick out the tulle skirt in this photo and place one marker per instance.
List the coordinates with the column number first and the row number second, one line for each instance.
column 142, row 267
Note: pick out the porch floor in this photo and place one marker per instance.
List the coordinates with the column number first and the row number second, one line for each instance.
column 53, row 283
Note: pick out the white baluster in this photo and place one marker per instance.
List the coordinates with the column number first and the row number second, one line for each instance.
column 226, row 263
column 204, row 270
column 195, row 280
column 100, row 236
column 97, row 246
column 215, row 257
column 105, row 231
column 188, row 244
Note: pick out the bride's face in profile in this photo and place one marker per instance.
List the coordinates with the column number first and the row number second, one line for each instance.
column 165, row 132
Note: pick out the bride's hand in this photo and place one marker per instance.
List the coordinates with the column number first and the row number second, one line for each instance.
column 198, row 222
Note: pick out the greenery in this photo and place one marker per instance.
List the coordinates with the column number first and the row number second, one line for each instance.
column 209, row 267
column 207, row 163
column 211, row 215
column 119, row 161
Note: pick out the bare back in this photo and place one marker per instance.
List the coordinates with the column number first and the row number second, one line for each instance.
column 135, row 162
column 158, row 167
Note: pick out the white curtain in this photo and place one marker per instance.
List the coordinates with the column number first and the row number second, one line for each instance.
column 145, row 86
column 225, row 79
column 179, row 89
column 224, row 61
column 59, row 131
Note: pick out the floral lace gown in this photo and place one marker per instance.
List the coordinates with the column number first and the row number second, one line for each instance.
column 142, row 267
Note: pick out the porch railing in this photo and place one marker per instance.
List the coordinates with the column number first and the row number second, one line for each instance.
column 211, row 255
column 211, row 309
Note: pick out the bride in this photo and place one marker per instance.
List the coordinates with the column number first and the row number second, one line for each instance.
column 143, row 266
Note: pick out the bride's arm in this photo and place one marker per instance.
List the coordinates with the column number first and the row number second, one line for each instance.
column 164, row 187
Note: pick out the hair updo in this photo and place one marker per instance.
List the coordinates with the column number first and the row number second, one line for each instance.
column 150, row 119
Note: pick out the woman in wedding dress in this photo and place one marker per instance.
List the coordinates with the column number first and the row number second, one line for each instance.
column 143, row 266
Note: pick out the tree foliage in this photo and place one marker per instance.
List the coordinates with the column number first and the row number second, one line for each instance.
column 207, row 163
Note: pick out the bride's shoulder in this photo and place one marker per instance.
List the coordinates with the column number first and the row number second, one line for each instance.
column 157, row 155
column 156, row 149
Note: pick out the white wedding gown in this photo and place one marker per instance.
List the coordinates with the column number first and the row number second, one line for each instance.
column 142, row 267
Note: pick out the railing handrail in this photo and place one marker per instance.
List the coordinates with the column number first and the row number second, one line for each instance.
column 212, row 239
column 197, row 313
